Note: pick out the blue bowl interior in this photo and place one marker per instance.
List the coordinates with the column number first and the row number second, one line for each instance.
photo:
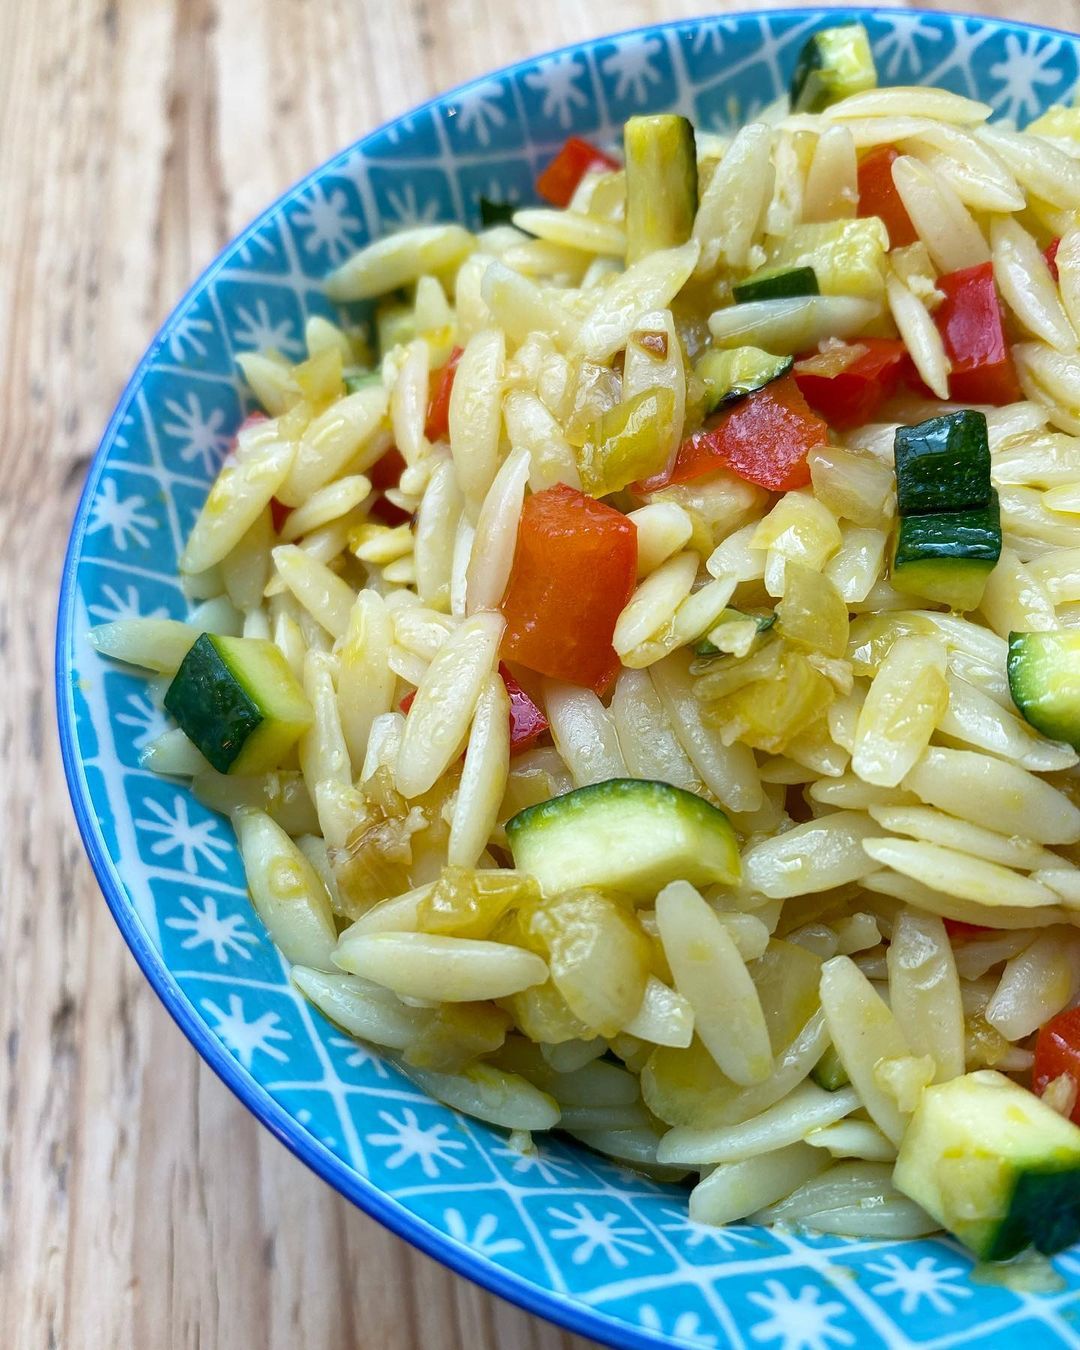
column 566, row 1234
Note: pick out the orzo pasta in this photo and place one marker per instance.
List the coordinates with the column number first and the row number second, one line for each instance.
column 641, row 659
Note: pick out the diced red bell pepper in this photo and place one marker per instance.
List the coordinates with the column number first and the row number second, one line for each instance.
column 971, row 323
column 763, row 438
column 878, row 195
column 853, row 395
column 278, row 513
column 386, row 473
column 1050, row 254
column 527, row 722
column 387, row 470
column 438, row 414
column 574, row 570
column 1057, row 1051
column 559, row 181
column 386, row 513
column 956, row 928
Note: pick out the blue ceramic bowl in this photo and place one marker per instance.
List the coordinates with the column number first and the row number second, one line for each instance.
column 565, row 1234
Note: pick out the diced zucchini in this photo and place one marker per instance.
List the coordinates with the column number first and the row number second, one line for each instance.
column 994, row 1165
column 495, row 213
column 628, row 442
column 707, row 647
column 947, row 557
column 829, row 1073
column 661, row 183
column 729, row 374
column 848, row 257
column 355, row 380
column 238, row 700
column 626, row 835
column 833, row 64
column 395, row 324
column 943, row 464
column 1044, row 680
column 776, row 283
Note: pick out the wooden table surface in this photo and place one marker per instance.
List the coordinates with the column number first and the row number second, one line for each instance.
column 140, row 1205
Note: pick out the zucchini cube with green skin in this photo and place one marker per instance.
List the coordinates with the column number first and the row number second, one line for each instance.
column 829, row 1073
column 994, row 1165
column 1044, row 680
column 776, row 283
column 731, row 373
column 239, row 701
column 627, row 835
column 943, row 464
column 947, row 557
column 762, row 621
column 661, row 183
column 833, row 64
column 846, row 257
column 361, row 379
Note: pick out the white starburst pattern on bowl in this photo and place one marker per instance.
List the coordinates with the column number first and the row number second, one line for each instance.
column 900, row 47
column 124, row 604
column 709, row 38
column 126, row 518
column 359, row 1056
column 526, row 1161
column 201, row 436
column 557, row 81
column 195, row 840
column 226, row 934
column 631, row 67
column 699, row 1234
column 478, row 112
column 404, row 207
column 187, row 335
column 683, row 1326
column 592, row 1233
column 257, row 331
column 798, row 1322
column 141, row 712
column 924, row 1278
column 1027, row 66
column 247, row 1038
column 325, row 222
column 409, row 1139
column 482, row 1238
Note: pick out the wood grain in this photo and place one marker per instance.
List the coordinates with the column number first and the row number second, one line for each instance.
column 140, row 1205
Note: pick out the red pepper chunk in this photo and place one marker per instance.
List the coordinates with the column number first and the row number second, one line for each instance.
column 1050, row 254
column 957, row 928
column 574, row 570
column 438, row 414
column 278, row 514
column 878, row 196
column 559, row 181
column 763, row 438
column 386, row 473
column 1057, row 1051
column 527, row 722
column 971, row 324
column 853, row 395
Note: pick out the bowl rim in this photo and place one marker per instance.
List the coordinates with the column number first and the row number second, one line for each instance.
column 560, row 1309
